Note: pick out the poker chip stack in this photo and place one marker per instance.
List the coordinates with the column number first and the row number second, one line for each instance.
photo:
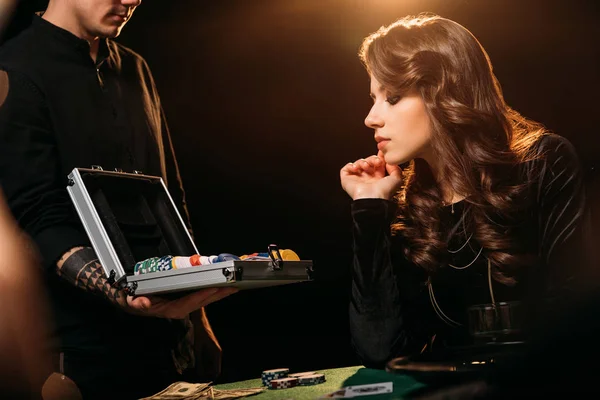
column 283, row 383
column 299, row 374
column 311, row 379
column 273, row 374
column 165, row 263
column 186, row 262
column 225, row 257
column 153, row 264
column 206, row 260
column 286, row 254
column 282, row 379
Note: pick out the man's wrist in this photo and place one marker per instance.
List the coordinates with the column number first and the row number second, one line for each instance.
column 68, row 254
column 80, row 266
column 74, row 262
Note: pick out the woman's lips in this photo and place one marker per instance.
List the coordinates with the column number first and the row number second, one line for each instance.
column 382, row 143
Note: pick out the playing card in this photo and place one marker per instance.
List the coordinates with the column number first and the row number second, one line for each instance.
column 361, row 390
column 367, row 390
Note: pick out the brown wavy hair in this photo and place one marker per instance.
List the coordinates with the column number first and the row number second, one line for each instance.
column 479, row 139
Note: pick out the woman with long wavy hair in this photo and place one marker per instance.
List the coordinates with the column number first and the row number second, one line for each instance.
column 467, row 202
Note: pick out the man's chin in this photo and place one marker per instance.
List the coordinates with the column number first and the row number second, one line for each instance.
column 110, row 32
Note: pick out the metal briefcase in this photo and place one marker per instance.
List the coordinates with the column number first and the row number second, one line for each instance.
column 130, row 217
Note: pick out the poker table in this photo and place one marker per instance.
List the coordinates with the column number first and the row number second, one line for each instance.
column 335, row 379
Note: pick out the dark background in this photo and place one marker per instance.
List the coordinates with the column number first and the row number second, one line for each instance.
column 266, row 100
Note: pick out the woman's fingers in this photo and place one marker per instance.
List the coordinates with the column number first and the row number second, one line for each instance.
column 369, row 166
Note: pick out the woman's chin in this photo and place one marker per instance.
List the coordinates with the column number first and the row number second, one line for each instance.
column 395, row 160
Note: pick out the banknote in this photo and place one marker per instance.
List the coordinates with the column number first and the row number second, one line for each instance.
column 180, row 391
column 201, row 391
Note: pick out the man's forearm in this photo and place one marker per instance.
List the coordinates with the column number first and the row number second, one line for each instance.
column 80, row 267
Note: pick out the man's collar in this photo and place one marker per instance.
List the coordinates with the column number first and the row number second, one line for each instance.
column 72, row 40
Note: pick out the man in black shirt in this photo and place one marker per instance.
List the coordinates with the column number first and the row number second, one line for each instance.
column 73, row 98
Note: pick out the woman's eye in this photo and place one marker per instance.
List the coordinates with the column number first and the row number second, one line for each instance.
column 393, row 99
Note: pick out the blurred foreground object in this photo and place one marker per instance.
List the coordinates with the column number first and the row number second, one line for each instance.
column 7, row 8
column 25, row 363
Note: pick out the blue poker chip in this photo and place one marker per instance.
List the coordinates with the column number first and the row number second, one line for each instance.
column 226, row 257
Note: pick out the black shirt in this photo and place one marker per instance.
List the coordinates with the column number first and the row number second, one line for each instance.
column 63, row 111
column 397, row 308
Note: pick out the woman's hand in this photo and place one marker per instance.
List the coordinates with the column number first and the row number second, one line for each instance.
column 371, row 178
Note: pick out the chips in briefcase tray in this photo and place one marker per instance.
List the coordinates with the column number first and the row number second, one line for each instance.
column 130, row 218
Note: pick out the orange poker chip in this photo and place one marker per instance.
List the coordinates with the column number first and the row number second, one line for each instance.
column 195, row 260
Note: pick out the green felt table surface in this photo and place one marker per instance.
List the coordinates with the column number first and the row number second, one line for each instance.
column 335, row 379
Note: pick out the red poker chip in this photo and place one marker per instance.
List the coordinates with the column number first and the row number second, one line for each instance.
column 283, row 383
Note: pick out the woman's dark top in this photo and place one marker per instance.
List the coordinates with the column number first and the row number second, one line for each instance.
column 393, row 308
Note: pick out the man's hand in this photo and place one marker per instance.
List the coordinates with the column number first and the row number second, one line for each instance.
column 80, row 266
column 155, row 306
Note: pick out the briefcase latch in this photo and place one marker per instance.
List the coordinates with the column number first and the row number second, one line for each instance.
column 275, row 256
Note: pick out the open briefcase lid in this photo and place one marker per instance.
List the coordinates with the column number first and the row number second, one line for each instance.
column 130, row 217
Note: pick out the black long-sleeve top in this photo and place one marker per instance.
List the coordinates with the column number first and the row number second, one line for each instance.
column 63, row 111
column 392, row 300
